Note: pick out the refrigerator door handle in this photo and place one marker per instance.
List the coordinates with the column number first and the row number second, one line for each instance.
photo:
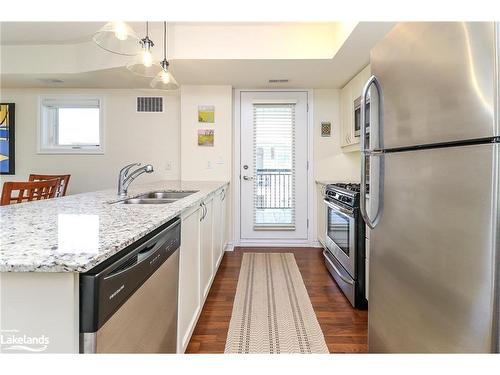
column 368, row 153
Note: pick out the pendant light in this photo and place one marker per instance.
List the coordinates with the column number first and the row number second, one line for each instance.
column 143, row 64
column 117, row 37
column 164, row 80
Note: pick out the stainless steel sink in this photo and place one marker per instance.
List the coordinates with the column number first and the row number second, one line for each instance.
column 168, row 194
column 146, row 201
column 158, row 197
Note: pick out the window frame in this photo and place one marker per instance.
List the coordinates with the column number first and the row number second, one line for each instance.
column 46, row 130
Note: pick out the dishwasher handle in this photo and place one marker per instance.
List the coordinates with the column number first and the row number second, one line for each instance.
column 140, row 254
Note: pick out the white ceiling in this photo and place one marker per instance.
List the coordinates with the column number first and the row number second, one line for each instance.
column 57, row 32
column 237, row 73
column 334, row 72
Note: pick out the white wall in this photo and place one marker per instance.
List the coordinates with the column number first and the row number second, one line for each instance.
column 330, row 162
column 200, row 163
column 129, row 137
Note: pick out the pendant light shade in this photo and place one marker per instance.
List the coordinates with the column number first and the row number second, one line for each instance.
column 164, row 80
column 138, row 66
column 119, row 38
column 143, row 64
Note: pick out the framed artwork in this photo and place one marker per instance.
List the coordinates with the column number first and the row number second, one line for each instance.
column 206, row 114
column 326, row 129
column 206, row 137
column 7, row 133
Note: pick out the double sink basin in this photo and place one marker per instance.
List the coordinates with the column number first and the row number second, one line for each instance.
column 158, row 197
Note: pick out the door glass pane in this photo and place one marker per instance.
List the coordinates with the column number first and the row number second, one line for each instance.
column 338, row 230
column 274, row 162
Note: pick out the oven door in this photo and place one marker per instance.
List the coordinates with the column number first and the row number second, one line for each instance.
column 341, row 235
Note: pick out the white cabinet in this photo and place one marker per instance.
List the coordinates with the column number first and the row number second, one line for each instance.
column 347, row 116
column 202, row 245
column 189, row 277
column 321, row 213
column 206, row 247
column 219, row 226
column 349, row 93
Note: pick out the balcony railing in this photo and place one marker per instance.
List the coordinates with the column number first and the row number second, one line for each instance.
column 273, row 188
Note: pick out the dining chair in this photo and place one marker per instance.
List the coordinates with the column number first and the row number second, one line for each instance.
column 28, row 191
column 63, row 181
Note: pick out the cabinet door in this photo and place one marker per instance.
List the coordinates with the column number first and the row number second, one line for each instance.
column 345, row 109
column 189, row 278
column 217, row 229
column 223, row 223
column 321, row 214
column 206, row 248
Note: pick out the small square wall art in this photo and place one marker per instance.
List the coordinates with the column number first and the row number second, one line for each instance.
column 206, row 137
column 206, row 114
column 326, row 129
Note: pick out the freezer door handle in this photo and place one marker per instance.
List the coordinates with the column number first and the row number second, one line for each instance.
column 369, row 153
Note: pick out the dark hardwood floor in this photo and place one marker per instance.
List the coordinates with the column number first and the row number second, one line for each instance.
column 344, row 328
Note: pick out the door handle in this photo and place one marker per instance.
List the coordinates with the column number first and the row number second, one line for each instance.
column 369, row 153
column 203, row 213
column 248, row 178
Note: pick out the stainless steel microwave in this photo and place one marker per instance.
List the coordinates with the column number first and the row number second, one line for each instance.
column 357, row 116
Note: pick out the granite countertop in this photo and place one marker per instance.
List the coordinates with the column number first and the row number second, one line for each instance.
column 77, row 232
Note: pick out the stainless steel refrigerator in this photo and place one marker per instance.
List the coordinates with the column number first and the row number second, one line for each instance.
column 434, row 189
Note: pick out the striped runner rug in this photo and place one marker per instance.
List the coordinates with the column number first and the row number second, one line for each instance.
column 272, row 312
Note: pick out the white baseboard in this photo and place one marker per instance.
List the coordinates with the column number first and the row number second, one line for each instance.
column 229, row 246
column 317, row 244
column 277, row 243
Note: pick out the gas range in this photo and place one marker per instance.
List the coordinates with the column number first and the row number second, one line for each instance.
column 345, row 241
column 345, row 193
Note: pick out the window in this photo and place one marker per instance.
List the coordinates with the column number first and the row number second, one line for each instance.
column 71, row 124
column 274, row 165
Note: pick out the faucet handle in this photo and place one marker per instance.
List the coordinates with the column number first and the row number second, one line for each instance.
column 125, row 169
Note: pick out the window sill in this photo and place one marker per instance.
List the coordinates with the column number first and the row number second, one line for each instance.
column 70, row 152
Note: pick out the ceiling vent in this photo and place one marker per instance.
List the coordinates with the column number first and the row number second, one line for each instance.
column 149, row 104
column 278, row 81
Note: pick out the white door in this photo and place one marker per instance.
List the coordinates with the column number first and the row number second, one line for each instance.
column 273, row 170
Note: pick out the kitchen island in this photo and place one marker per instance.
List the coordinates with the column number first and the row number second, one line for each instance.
column 45, row 245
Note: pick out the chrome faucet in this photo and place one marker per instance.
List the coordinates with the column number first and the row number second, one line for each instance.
column 124, row 178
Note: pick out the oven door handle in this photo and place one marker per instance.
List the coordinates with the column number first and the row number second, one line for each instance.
column 345, row 279
column 338, row 208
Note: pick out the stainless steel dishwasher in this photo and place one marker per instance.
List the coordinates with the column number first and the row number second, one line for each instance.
column 128, row 304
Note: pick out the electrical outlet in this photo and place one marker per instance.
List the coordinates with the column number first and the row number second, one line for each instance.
column 209, row 164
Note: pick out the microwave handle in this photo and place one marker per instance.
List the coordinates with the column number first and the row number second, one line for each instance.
column 366, row 153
